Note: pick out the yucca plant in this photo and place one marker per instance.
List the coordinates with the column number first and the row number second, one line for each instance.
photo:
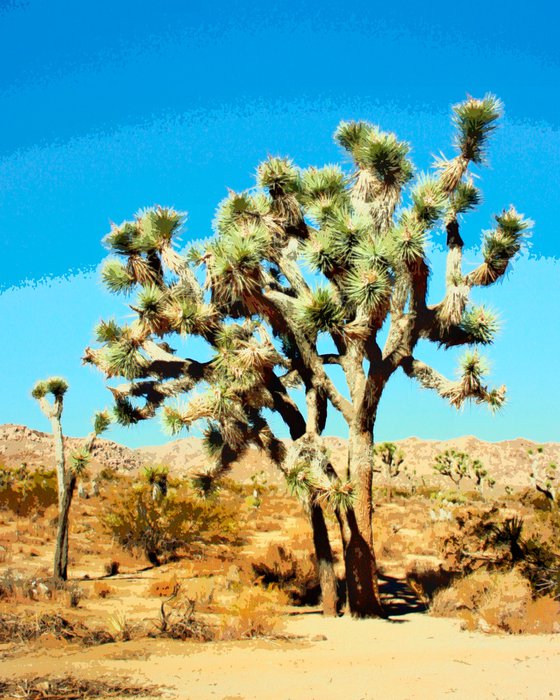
column 365, row 231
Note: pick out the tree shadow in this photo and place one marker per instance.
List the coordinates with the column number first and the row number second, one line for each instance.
column 398, row 598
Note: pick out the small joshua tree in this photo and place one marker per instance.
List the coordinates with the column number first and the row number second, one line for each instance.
column 56, row 387
column 365, row 234
column 455, row 465
column 479, row 474
column 390, row 459
column 544, row 475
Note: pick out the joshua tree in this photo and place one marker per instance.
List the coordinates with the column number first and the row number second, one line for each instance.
column 391, row 459
column 544, row 474
column 453, row 464
column 66, row 477
column 365, row 234
column 479, row 474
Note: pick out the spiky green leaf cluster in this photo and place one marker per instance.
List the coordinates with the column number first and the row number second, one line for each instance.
column 320, row 311
column 323, row 190
column 376, row 151
column 466, row 197
column 480, row 324
column 101, row 421
column 428, row 200
column 504, row 242
column 408, row 242
column 116, row 277
column 125, row 413
column 368, row 288
column 57, row 386
column 123, row 358
column 80, row 459
column 107, row 331
column 475, row 120
column 279, row 176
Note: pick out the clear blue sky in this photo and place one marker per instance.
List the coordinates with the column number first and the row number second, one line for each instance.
column 109, row 107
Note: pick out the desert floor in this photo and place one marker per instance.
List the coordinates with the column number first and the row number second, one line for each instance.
column 413, row 656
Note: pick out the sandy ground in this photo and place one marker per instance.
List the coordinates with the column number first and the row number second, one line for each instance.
column 413, row 657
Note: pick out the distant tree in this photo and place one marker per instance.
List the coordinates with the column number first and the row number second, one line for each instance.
column 56, row 387
column 544, row 474
column 365, row 233
column 455, row 465
column 157, row 476
column 479, row 474
column 389, row 462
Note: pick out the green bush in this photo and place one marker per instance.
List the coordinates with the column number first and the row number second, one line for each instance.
column 161, row 527
column 24, row 491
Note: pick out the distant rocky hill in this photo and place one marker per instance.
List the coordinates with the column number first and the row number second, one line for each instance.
column 507, row 461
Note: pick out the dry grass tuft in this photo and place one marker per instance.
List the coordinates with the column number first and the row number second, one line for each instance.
column 256, row 613
column 26, row 627
column 71, row 688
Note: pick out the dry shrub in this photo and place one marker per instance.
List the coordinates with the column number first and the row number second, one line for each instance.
column 26, row 492
column 497, row 602
column 70, row 687
column 27, row 627
column 178, row 620
column 112, row 568
column 182, row 520
column 425, row 578
column 293, row 572
column 102, row 589
column 255, row 613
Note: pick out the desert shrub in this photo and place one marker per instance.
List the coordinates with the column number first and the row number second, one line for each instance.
column 293, row 572
column 163, row 588
column 24, row 491
column 112, row 568
column 425, row 579
column 255, row 613
column 180, row 521
column 179, row 620
column 26, row 627
column 102, row 589
column 498, row 602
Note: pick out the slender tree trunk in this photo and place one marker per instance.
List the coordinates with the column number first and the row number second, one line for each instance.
column 361, row 567
column 59, row 456
column 325, row 561
column 61, row 550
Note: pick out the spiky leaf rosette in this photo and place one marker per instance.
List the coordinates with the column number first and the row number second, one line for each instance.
column 157, row 227
column 338, row 495
column 123, row 358
column 466, row 197
column 480, row 324
column 240, row 208
column 150, row 305
column 125, row 413
column 408, row 241
column 279, row 176
column 368, row 288
column 475, row 120
column 320, row 253
column 320, row 311
column 300, row 481
column 323, row 190
column 80, row 459
column 107, row 331
column 123, row 239
column 236, row 262
column 57, row 386
column 428, row 200
column 101, row 421
column 385, row 156
column 346, row 229
column 500, row 246
column 116, row 277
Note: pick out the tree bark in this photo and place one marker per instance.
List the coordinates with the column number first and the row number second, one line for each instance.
column 359, row 556
column 325, row 561
column 61, row 550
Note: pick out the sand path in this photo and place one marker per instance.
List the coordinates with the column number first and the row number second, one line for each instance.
column 415, row 657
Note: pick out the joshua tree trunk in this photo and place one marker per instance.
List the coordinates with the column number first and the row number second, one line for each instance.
column 325, row 561
column 359, row 556
column 61, row 551
column 60, row 460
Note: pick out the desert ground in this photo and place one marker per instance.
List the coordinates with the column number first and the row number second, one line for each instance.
column 238, row 616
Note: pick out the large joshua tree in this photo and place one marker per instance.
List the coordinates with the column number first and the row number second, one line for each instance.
column 364, row 232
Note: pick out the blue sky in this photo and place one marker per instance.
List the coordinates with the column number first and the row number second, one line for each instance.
column 109, row 107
